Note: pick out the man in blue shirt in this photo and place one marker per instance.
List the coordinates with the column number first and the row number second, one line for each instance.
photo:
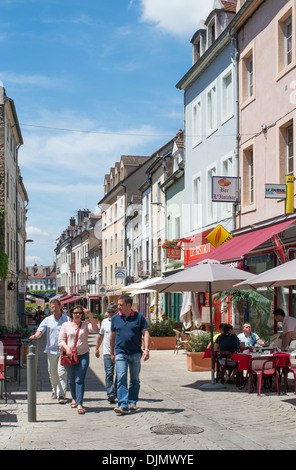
column 57, row 373
column 127, row 328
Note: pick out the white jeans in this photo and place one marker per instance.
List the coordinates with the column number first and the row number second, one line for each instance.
column 57, row 375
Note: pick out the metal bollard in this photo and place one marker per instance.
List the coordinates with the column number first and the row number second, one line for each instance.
column 31, row 383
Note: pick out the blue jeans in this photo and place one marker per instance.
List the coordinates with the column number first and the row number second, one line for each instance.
column 125, row 394
column 109, row 376
column 76, row 378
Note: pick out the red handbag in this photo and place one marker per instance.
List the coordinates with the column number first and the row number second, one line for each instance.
column 73, row 359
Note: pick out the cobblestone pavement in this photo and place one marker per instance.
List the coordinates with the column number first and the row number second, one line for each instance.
column 170, row 397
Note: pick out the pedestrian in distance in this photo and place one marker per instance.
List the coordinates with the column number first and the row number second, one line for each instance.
column 127, row 329
column 51, row 325
column 77, row 327
column 104, row 337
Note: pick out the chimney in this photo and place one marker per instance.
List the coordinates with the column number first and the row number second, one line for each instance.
column 72, row 222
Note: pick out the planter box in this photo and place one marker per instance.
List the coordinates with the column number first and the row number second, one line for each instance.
column 165, row 342
column 196, row 363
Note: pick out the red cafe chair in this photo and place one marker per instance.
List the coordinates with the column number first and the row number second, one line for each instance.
column 263, row 367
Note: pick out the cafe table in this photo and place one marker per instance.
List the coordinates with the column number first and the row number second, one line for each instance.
column 243, row 360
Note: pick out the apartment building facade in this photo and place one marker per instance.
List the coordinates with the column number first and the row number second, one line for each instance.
column 13, row 206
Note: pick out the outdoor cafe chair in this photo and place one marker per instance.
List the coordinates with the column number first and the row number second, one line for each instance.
column 225, row 363
column 292, row 368
column 264, row 367
column 181, row 342
column 14, row 350
column 3, row 377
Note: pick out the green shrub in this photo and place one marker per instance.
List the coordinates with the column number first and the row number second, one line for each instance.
column 161, row 328
column 199, row 342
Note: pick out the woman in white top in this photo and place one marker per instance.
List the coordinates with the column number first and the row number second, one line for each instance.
column 67, row 337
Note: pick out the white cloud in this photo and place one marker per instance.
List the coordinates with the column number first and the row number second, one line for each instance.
column 30, row 260
column 36, row 80
column 35, row 231
column 180, row 18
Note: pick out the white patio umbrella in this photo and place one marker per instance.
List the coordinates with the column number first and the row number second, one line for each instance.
column 190, row 311
column 282, row 275
column 208, row 276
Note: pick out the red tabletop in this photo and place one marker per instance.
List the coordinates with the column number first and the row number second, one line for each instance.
column 244, row 359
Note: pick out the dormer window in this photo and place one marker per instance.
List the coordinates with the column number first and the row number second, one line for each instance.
column 211, row 32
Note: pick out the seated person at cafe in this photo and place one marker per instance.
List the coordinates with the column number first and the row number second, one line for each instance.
column 289, row 327
column 227, row 341
column 217, row 334
column 248, row 337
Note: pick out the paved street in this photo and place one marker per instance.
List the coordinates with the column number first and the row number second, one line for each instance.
column 170, row 397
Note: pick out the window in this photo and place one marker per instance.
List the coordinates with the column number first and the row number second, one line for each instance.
column 211, row 207
column 197, row 205
column 286, row 53
column 227, row 96
column 211, row 32
column 286, row 150
column 177, row 227
column 290, row 150
column 196, row 123
column 106, row 248
column 288, row 41
column 211, row 109
column 227, row 170
column 248, row 75
column 250, row 72
column 248, row 177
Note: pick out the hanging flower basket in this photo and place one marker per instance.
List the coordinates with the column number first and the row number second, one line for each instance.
column 170, row 244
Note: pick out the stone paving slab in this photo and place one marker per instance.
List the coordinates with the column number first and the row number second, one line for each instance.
column 170, row 396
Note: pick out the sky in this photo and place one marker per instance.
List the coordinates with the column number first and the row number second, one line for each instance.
column 91, row 80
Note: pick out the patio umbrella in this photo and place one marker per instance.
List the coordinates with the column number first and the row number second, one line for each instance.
column 208, row 276
column 282, row 275
column 190, row 311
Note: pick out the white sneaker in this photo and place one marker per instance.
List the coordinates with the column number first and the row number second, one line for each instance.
column 133, row 406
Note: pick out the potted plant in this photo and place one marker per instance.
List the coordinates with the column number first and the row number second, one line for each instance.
column 196, row 347
column 162, row 335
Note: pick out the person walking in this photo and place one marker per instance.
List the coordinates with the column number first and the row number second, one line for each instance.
column 127, row 328
column 104, row 337
column 67, row 337
column 57, row 373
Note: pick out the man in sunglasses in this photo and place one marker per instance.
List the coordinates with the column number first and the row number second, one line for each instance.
column 104, row 335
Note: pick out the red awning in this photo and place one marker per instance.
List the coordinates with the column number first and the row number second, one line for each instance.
column 70, row 299
column 239, row 246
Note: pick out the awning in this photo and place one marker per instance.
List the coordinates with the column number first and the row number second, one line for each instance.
column 70, row 299
column 239, row 246
column 140, row 285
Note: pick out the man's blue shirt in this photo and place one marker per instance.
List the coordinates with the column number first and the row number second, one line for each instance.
column 128, row 332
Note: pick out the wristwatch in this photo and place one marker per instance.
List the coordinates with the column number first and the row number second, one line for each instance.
column 147, row 350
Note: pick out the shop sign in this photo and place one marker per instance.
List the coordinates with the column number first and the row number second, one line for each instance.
column 225, row 189
column 120, row 272
column 218, row 236
column 275, row 191
column 173, row 252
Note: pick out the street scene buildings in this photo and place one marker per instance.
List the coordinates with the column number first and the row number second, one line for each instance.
column 222, row 187
column 215, row 190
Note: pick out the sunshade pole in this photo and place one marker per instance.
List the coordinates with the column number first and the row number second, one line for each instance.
column 212, row 334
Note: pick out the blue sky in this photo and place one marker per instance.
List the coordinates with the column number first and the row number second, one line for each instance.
column 91, row 80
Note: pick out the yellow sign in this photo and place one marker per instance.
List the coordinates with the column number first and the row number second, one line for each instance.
column 218, row 236
column 290, row 194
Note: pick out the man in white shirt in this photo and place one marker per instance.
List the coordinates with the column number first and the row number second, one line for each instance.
column 57, row 373
column 248, row 337
column 104, row 335
column 289, row 327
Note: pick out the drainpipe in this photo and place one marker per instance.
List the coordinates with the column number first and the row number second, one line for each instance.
column 235, row 61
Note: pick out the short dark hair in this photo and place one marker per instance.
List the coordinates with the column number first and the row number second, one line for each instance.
column 127, row 298
column 227, row 327
column 74, row 308
column 279, row 311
